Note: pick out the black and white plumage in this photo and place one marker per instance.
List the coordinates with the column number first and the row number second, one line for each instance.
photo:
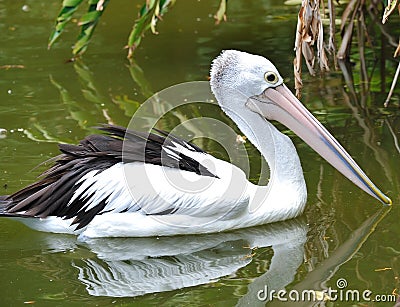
column 127, row 183
column 62, row 191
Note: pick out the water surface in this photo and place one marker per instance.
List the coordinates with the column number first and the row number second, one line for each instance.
column 45, row 100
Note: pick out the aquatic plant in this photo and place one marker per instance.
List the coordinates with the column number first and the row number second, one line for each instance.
column 310, row 45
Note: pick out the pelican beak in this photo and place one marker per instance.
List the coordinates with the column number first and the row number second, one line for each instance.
column 281, row 105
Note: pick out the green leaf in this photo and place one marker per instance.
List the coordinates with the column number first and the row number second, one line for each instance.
column 89, row 17
column 69, row 7
column 88, row 23
column 149, row 14
column 71, row 2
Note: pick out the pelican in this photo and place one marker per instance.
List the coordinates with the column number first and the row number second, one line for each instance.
column 167, row 186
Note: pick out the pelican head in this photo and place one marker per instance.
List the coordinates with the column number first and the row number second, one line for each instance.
column 257, row 80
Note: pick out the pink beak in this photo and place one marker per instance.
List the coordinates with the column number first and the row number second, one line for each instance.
column 281, row 105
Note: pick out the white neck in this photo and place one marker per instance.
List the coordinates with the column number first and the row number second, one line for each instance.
column 275, row 147
column 286, row 190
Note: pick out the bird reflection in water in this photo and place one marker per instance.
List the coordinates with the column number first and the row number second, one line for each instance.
column 129, row 267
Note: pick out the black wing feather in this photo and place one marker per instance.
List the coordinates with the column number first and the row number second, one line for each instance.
column 50, row 196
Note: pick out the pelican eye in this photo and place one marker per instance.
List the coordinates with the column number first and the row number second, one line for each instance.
column 271, row 77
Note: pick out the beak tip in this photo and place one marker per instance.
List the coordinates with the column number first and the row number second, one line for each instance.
column 385, row 200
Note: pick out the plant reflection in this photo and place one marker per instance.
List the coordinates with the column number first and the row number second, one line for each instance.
column 321, row 276
column 357, row 102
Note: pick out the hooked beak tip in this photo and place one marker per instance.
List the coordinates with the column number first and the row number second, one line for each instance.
column 388, row 202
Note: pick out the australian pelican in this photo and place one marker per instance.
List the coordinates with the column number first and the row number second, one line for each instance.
column 90, row 190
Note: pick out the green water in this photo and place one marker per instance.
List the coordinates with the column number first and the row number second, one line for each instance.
column 44, row 100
